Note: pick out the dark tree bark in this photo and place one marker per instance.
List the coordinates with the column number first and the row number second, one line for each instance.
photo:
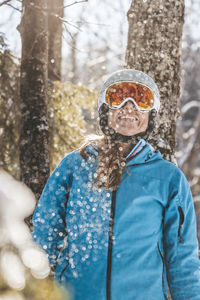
column 34, row 148
column 56, row 13
column 154, row 46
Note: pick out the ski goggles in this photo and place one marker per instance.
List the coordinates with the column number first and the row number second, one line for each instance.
column 118, row 94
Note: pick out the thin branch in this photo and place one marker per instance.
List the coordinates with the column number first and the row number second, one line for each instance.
column 4, row 2
column 91, row 23
column 65, row 21
column 103, row 58
column 189, row 105
column 57, row 8
column 60, row 136
column 67, row 30
column 14, row 7
column 75, row 2
column 191, row 144
column 14, row 56
column 32, row 5
column 72, row 38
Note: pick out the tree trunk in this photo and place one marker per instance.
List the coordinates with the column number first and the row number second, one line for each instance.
column 73, row 58
column 34, row 147
column 154, row 46
column 56, row 11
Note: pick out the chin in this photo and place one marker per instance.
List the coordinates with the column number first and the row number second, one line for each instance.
column 128, row 133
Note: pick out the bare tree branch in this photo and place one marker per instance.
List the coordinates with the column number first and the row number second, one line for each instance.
column 17, row 9
column 189, row 105
column 60, row 136
column 60, row 7
column 67, row 30
column 65, row 21
column 103, row 58
column 72, row 38
column 90, row 23
column 75, row 2
column 4, row 2
column 192, row 149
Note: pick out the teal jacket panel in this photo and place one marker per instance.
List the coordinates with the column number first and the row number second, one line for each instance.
column 127, row 244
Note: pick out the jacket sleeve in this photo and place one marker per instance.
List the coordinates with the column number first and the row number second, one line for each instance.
column 49, row 216
column 180, row 242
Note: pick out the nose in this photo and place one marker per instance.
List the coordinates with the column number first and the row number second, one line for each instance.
column 129, row 105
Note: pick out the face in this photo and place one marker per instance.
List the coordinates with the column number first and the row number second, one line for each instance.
column 127, row 120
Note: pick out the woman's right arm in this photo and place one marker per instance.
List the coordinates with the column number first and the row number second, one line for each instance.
column 49, row 216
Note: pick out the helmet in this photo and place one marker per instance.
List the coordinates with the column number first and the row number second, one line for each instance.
column 130, row 75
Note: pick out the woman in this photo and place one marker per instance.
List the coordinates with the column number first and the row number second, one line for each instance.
column 115, row 218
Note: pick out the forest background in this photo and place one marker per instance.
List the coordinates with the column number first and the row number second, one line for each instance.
column 75, row 51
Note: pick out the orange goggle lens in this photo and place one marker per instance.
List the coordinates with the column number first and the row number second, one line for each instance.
column 142, row 95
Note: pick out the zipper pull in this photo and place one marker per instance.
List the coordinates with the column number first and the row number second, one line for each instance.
column 127, row 170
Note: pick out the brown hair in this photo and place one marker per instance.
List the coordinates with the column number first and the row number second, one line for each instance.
column 110, row 161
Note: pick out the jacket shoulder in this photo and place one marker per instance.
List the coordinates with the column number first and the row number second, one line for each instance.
column 168, row 173
column 175, row 171
column 178, row 184
column 70, row 159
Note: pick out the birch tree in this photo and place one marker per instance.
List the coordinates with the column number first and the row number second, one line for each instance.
column 154, row 46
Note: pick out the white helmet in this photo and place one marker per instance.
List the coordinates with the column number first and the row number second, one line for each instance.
column 130, row 75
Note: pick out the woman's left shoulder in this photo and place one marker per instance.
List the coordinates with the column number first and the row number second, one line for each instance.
column 176, row 176
column 170, row 171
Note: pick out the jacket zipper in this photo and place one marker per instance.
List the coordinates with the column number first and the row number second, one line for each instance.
column 67, row 258
column 163, row 263
column 65, row 244
column 110, row 245
column 181, row 220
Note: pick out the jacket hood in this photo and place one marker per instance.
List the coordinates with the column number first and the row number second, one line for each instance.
column 130, row 75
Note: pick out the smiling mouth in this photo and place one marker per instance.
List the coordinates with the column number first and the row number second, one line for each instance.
column 129, row 118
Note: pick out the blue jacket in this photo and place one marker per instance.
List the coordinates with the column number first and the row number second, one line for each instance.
column 127, row 244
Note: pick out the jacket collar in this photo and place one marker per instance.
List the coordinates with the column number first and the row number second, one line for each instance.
column 142, row 155
column 147, row 154
column 136, row 149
